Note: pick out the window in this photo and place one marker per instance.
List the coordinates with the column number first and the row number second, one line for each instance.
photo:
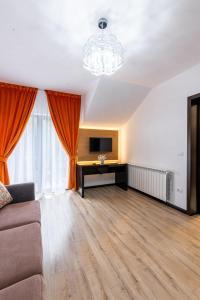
column 39, row 155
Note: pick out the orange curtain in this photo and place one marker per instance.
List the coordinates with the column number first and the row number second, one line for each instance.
column 16, row 103
column 65, row 112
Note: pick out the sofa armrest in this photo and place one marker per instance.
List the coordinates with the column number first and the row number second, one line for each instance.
column 22, row 192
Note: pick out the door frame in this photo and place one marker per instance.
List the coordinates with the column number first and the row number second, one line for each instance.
column 190, row 101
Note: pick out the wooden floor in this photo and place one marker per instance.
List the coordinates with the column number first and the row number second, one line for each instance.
column 118, row 245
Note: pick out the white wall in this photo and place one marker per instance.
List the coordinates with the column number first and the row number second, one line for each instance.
column 156, row 134
column 99, row 179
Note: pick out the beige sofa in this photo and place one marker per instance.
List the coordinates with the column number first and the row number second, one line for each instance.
column 21, row 246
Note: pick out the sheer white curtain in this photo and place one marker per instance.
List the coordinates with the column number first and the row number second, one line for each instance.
column 39, row 155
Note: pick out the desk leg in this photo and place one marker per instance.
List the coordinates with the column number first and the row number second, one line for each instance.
column 122, row 186
column 82, row 192
column 80, row 182
column 82, row 186
column 121, row 180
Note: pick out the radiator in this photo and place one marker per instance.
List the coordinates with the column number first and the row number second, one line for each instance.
column 157, row 183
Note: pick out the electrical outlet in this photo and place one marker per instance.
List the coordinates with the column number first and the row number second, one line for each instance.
column 180, row 190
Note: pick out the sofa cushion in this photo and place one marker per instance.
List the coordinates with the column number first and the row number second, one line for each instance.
column 18, row 214
column 5, row 196
column 20, row 253
column 28, row 289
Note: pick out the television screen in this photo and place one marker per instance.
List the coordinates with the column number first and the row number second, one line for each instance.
column 100, row 144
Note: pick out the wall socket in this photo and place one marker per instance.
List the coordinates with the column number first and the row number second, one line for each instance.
column 180, row 190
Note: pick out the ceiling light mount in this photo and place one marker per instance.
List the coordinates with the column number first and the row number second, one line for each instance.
column 103, row 23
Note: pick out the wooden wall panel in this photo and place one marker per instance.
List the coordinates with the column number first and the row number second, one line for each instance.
column 84, row 153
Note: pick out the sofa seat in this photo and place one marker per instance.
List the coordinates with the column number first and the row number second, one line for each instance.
column 19, row 214
column 28, row 289
column 20, row 253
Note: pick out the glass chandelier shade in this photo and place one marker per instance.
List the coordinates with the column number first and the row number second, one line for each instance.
column 103, row 53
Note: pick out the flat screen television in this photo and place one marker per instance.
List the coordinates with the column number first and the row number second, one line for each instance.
column 100, row 144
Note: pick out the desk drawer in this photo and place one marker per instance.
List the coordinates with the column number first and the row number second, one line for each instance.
column 102, row 169
column 89, row 170
column 114, row 169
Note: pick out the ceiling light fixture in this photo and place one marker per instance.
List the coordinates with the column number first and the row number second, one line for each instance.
column 103, row 53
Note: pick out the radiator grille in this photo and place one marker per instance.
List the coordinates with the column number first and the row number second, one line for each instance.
column 157, row 183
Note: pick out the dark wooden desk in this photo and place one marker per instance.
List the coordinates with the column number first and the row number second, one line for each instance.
column 120, row 170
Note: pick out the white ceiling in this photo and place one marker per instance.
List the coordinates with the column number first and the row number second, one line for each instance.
column 112, row 103
column 41, row 45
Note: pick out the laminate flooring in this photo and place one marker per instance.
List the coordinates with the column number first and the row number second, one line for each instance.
column 118, row 245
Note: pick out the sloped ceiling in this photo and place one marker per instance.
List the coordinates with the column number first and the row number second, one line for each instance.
column 42, row 42
column 112, row 103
